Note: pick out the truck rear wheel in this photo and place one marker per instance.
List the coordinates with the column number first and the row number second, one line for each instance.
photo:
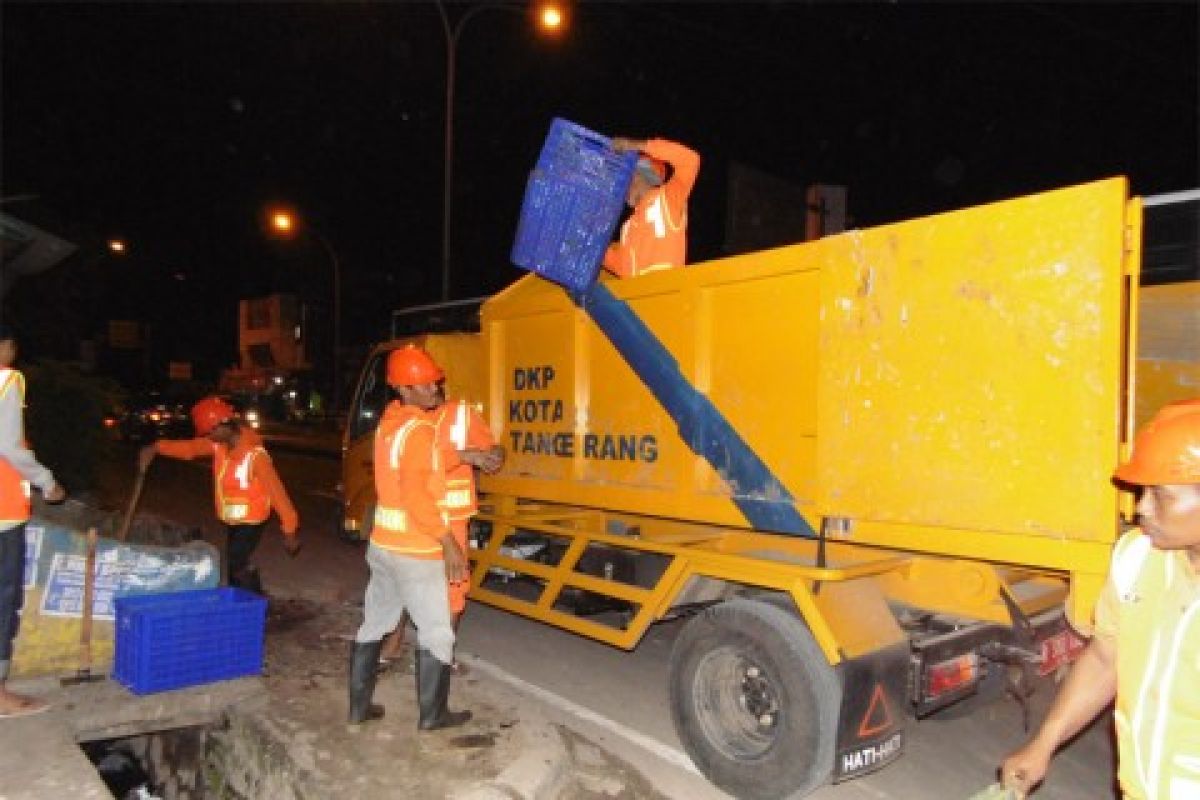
column 754, row 701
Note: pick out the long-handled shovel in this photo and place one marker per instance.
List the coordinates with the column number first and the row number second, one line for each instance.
column 84, row 673
column 138, row 482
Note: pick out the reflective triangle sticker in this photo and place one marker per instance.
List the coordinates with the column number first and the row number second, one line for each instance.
column 878, row 717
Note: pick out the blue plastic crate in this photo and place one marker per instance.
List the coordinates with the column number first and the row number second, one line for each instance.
column 574, row 154
column 168, row 641
column 572, row 204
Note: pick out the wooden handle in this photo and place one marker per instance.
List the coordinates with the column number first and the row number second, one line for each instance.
column 133, row 501
column 89, row 591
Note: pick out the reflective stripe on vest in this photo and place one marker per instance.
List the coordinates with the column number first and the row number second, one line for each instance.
column 460, row 428
column 235, row 512
column 459, row 501
column 399, row 440
column 394, row 519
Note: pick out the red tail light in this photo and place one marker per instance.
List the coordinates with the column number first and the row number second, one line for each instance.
column 946, row 677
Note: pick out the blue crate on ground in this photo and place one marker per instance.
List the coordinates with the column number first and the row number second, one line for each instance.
column 572, row 204
column 168, row 641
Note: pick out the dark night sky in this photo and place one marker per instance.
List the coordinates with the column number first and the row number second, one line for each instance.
column 175, row 125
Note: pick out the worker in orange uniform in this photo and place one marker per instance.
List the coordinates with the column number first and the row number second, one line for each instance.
column 412, row 553
column 246, row 487
column 467, row 443
column 1146, row 646
column 655, row 235
column 19, row 469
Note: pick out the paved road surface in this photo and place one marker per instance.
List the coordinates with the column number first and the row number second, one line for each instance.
column 950, row 759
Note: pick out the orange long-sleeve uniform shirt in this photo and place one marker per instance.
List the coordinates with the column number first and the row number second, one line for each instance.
column 410, row 483
column 460, row 427
column 245, row 485
column 655, row 235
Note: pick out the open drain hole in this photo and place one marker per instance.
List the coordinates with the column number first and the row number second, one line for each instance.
column 164, row 765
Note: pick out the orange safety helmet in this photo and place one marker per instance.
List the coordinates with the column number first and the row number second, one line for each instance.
column 412, row 366
column 1167, row 449
column 209, row 413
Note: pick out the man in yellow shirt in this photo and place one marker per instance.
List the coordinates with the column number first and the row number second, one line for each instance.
column 1146, row 647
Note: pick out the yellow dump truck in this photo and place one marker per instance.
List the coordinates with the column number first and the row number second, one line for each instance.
column 873, row 469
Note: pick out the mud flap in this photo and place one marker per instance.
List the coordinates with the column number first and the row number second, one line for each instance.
column 871, row 725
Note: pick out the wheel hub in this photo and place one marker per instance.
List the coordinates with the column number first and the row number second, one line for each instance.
column 738, row 704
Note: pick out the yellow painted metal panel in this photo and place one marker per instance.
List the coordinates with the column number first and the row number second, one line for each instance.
column 534, row 416
column 970, row 373
column 627, row 451
column 624, row 432
column 775, row 348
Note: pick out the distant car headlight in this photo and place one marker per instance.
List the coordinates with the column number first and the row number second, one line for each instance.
column 252, row 418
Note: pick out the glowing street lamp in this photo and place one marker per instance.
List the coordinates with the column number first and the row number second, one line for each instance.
column 117, row 246
column 285, row 224
column 282, row 221
column 550, row 17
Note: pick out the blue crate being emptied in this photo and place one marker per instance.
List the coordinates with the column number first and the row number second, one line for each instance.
column 168, row 641
column 572, row 204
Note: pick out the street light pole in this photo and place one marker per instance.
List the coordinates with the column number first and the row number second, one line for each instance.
column 550, row 20
column 337, row 317
column 285, row 223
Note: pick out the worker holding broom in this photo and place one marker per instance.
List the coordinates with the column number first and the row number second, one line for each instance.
column 19, row 469
column 245, row 485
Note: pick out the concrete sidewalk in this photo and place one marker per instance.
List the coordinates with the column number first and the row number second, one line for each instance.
column 506, row 750
column 284, row 736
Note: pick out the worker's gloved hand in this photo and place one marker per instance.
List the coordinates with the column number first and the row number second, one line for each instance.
column 492, row 460
column 291, row 543
column 622, row 144
column 145, row 456
column 455, row 559
column 56, row 494
column 489, row 460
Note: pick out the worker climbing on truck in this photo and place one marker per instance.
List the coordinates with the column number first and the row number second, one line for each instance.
column 245, row 485
column 412, row 553
column 19, row 469
column 1146, row 647
column 466, row 443
column 655, row 235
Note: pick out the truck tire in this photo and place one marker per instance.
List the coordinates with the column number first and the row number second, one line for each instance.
column 754, row 701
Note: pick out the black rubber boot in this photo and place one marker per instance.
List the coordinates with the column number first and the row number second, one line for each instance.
column 249, row 580
column 364, row 659
column 433, row 692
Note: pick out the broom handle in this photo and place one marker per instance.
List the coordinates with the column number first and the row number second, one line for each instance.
column 89, row 590
column 133, row 501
